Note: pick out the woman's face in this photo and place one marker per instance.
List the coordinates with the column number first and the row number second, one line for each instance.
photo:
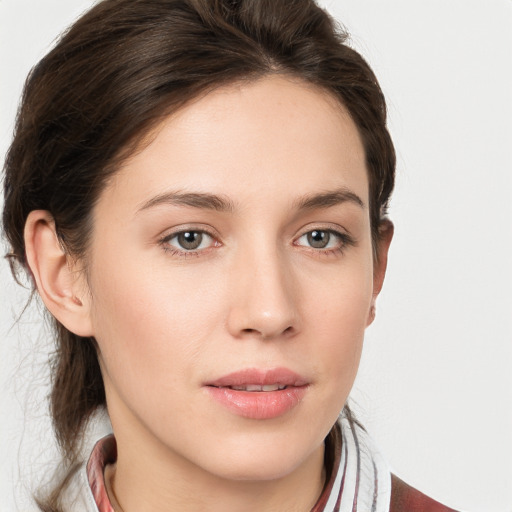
column 231, row 280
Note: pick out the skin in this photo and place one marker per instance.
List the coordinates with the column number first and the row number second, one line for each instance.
column 255, row 294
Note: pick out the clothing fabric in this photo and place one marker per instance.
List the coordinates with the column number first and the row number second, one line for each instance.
column 406, row 498
column 358, row 478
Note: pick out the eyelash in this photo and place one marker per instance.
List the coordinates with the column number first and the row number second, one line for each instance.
column 345, row 241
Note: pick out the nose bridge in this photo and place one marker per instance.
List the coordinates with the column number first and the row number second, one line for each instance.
column 264, row 293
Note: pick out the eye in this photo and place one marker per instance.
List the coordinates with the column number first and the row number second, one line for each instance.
column 326, row 239
column 189, row 240
column 318, row 239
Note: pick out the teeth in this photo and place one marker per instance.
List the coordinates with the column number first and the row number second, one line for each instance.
column 257, row 387
column 254, row 387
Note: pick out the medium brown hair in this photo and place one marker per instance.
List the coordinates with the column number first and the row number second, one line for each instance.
column 112, row 76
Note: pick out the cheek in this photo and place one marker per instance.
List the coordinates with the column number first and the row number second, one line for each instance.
column 338, row 319
column 148, row 323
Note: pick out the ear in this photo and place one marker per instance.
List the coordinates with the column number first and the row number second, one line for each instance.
column 386, row 230
column 59, row 282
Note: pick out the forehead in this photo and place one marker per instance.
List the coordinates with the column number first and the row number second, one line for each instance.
column 247, row 140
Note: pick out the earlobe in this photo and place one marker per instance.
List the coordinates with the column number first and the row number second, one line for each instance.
column 386, row 230
column 60, row 286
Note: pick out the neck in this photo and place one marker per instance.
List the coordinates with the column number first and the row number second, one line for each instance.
column 157, row 480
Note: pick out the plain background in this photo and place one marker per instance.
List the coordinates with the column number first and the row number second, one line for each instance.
column 435, row 384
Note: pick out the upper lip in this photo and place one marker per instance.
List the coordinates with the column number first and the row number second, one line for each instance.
column 261, row 377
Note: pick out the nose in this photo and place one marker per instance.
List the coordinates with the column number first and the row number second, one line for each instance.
column 264, row 297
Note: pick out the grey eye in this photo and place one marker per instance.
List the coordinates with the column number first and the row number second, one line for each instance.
column 318, row 239
column 189, row 240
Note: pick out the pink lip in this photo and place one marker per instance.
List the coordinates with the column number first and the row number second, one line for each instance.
column 259, row 404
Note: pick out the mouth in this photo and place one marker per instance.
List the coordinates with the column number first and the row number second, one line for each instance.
column 257, row 388
column 259, row 394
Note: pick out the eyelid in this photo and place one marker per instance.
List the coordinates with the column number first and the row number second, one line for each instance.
column 183, row 228
column 322, row 226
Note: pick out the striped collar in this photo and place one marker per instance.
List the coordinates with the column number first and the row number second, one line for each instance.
column 360, row 480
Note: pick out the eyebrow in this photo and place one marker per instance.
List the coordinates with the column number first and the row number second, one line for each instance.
column 219, row 203
column 192, row 199
column 329, row 199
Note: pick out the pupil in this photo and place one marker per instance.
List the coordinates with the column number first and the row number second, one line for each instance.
column 190, row 239
column 318, row 239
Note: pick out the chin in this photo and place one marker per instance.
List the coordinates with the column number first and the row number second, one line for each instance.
column 253, row 459
column 256, row 470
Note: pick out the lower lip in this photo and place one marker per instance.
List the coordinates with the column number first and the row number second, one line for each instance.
column 258, row 405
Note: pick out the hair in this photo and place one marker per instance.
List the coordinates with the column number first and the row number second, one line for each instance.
column 112, row 76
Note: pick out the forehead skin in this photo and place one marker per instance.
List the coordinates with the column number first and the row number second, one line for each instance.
column 249, row 124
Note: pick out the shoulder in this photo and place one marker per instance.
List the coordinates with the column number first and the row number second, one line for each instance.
column 405, row 498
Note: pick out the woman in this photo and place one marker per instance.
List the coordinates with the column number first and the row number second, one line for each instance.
column 199, row 191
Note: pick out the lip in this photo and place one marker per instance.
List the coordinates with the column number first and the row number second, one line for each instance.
column 259, row 404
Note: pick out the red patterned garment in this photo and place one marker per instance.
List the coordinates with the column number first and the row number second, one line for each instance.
column 404, row 498
column 104, row 452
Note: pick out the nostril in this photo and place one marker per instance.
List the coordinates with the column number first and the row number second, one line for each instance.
column 266, row 335
column 250, row 331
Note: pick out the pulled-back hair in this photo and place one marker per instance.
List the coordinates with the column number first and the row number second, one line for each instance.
column 118, row 71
